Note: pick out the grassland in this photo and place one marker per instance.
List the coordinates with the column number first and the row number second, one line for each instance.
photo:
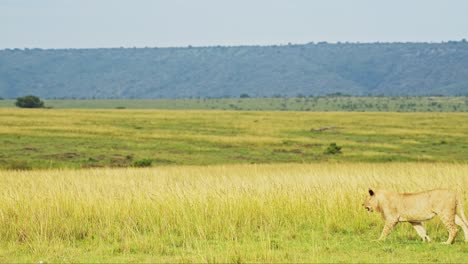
column 225, row 186
column 227, row 213
column 53, row 138
column 321, row 104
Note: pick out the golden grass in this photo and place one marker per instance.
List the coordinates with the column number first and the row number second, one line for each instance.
column 213, row 213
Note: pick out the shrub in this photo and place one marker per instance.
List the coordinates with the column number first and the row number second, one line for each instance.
column 29, row 101
column 333, row 149
column 142, row 163
column 19, row 165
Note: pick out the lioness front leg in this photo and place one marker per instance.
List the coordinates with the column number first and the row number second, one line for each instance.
column 421, row 231
column 389, row 225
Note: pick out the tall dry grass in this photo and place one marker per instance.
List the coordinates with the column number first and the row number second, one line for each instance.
column 166, row 211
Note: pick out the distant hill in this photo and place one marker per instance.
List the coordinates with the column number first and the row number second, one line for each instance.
column 396, row 69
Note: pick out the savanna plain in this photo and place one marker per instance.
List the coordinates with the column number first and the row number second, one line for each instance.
column 221, row 186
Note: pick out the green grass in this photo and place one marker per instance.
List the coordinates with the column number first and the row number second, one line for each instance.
column 52, row 138
column 359, row 104
column 306, row 247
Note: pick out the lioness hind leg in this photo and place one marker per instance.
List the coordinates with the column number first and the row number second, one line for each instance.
column 421, row 231
column 449, row 222
column 460, row 222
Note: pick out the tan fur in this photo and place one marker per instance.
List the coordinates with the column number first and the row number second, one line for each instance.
column 416, row 208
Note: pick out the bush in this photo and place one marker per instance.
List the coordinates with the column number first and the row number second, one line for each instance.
column 142, row 163
column 19, row 165
column 29, row 101
column 333, row 149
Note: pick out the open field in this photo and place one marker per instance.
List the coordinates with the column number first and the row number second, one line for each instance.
column 229, row 213
column 52, row 138
column 321, row 104
column 268, row 191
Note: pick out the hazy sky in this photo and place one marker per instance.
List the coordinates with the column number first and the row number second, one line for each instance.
column 162, row 23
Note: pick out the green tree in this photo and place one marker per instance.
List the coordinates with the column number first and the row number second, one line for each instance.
column 29, row 101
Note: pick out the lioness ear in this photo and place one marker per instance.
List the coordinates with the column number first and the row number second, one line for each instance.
column 371, row 192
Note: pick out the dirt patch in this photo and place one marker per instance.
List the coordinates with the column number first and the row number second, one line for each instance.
column 295, row 151
column 69, row 155
column 163, row 161
column 92, row 165
column 321, row 129
column 121, row 160
column 63, row 156
column 225, row 146
column 241, row 158
column 312, row 145
column 100, row 157
column 30, row 149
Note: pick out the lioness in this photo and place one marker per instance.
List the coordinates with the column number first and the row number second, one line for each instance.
column 417, row 207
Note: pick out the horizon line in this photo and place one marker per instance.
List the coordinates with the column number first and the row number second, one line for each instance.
column 243, row 45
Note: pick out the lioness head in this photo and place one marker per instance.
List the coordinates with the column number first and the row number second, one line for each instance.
column 371, row 203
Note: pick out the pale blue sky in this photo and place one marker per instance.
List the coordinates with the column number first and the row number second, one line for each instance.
column 163, row 23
